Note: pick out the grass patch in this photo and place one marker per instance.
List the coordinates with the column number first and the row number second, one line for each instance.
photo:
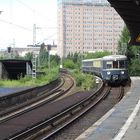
column 27, row 81
column 85, row 81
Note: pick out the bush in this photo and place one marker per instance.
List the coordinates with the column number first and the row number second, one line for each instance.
column 134, row 69
column 85, row 81
column 28, row 81
column 89, row 82
column 24, row 79
column 69, row 64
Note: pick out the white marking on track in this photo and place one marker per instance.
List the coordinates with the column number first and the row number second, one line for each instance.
column 128, row 122
column 94, row 126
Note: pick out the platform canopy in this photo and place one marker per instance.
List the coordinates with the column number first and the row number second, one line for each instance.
column 129, row 10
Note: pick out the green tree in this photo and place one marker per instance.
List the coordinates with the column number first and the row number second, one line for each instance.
column 130, row 51
column 134, row 68
column 123, row 41
column 29, row 56
column 54, row 60
column 43, row 55
column 96, row 55
column 68, row 63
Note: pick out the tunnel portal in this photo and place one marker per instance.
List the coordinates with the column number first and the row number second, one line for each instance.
column 14, row 69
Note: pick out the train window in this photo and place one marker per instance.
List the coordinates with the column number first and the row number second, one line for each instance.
column 115, row 64
column 109, row 64
column 122, row 64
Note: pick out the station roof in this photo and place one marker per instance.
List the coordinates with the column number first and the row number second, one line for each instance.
column 15, row 60
column 129, row 10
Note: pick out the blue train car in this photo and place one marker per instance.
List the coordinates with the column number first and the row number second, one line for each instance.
column 112, row 68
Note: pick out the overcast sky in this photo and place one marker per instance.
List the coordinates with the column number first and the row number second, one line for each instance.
column 18, row 17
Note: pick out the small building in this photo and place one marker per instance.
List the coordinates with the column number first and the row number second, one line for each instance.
column 23, row 51
column 14, row 69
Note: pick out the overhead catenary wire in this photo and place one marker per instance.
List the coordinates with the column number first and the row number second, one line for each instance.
column 32, row 10
column 12, row 17
column 16, row 25
column 42, row 15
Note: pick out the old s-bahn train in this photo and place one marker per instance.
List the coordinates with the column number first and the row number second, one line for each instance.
column 111, row 68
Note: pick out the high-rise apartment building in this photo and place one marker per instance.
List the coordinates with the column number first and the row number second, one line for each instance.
column 87, row 26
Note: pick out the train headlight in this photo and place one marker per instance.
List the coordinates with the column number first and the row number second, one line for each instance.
column 108, row 73
column 122, row 72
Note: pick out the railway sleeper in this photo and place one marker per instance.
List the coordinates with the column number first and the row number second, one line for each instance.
column 76, row 110
column 62, row 119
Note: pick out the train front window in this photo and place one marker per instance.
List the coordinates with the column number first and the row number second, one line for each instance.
column 115, row 64
column 112, row 64
column 122, row 64
column 109, row 64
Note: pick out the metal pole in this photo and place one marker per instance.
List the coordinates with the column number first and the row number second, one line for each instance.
column 49, row 66
column 38, row 60
column 34, row 66
column 61, row 62
column 34, row 35
column 13, row 48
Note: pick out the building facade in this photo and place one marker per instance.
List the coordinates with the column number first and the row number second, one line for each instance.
column 87, row 26
column 29, row 49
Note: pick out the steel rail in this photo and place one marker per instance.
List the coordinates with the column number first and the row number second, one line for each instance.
column 121, row 93
column 20, row 97
column 69, row 114
column 37, row 102
column 32, row 89
column 31, row 101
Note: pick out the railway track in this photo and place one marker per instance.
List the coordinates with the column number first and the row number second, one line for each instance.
column 13, row 117
column 44, row 98
column 78, row 127
column 40, row 121
column 17, row 98
column 49, row 118
column 73, row 113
